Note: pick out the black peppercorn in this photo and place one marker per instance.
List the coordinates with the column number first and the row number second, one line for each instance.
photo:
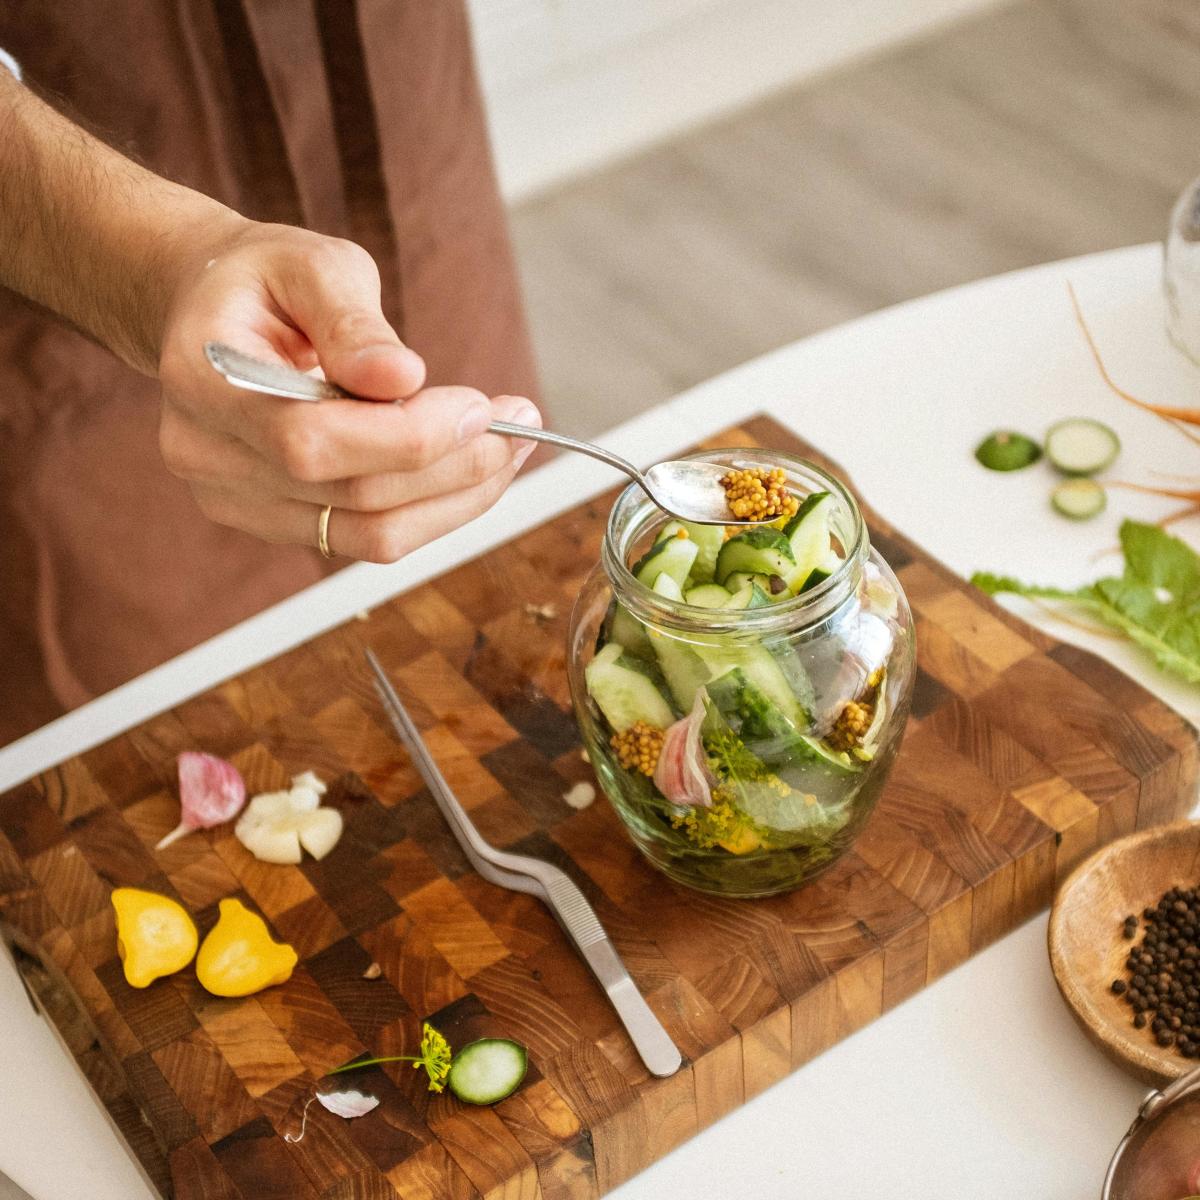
column 1118, row 986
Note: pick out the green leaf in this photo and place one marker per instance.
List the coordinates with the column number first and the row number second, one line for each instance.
column 1156, row 603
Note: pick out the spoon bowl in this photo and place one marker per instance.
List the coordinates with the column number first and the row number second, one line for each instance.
column 686, row 489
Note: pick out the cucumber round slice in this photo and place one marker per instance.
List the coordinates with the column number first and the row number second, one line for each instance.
column 486, row 1071
column 1005, row 450
column 1079, row 499
column 1081, row 446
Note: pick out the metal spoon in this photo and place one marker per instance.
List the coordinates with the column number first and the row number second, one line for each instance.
column 689, row 490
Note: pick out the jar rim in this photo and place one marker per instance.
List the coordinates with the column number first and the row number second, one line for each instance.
column 633, row 515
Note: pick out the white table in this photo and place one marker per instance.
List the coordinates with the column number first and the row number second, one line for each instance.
column 979, row 1086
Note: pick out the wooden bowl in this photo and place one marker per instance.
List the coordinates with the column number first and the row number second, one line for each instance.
column 1088, row 951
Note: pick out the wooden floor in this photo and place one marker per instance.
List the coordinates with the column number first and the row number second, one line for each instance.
column 1043, row 129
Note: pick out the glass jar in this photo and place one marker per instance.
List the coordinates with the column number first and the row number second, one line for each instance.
column 1181, row 272
column 796, row 708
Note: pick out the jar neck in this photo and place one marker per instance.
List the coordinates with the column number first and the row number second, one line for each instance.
column 634, row 519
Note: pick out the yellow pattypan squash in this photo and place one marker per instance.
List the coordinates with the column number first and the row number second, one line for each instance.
column 239, row 956
column 155, row 936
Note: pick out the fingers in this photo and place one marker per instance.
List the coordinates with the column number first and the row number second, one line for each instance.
column 370, row 537
column 200, row 456
column 332, row 293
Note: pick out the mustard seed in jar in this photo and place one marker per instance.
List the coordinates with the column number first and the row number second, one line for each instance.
column 755, row 494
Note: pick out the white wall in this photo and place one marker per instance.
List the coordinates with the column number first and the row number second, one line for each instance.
column 573, row 84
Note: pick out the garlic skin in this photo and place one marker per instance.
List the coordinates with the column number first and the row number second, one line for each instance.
column 277, row 827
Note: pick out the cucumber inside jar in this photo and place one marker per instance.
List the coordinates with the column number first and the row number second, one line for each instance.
column 784, row 777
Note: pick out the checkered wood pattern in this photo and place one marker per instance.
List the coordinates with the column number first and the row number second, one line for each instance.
column 1021, row 756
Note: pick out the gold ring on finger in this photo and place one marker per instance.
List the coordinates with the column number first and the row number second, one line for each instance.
column 323, row 532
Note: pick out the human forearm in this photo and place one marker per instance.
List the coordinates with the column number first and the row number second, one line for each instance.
column 91, row 235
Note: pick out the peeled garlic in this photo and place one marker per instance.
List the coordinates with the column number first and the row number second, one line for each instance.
column 277, row 827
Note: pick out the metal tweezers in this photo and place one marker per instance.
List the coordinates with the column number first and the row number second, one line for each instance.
column 554, row 887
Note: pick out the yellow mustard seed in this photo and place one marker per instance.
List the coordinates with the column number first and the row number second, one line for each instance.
column 638, row 747
column 756, row 494
column 851, row 725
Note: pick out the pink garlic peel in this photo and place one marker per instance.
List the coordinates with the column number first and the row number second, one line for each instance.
column 682, row 774
column 211, row 791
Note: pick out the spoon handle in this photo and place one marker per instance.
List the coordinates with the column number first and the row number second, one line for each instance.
column 252, row 374
column 568, row 443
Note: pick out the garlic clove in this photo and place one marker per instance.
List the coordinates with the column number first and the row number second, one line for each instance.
column 304, row 800
column 309, row 779
column 273, row 845
column 321, row 831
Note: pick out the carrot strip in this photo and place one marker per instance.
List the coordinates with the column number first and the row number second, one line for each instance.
column 1189, row 415
column 1174, row 493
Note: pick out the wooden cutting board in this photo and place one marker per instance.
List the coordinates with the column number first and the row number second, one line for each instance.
column 1021, row 756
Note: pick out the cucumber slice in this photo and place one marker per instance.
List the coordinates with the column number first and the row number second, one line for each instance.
column 667, row 586
column 624, row 692
column 758, row 667
column 709, row 539
column 681, row 666
column 761, row 551
column 625, row 628
column 671, row 555
column 1005, row 450
column 808, row 535
column 1081, row 446
column 488, row 1070
column 768, row 729
column 708, row 595
column 750, row 596
column 740, row 579
column 1079, row 499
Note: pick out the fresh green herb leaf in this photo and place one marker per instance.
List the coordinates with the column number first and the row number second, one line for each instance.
column 1155, row 603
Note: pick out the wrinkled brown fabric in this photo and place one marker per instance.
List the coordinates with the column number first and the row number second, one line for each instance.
column 359, row 118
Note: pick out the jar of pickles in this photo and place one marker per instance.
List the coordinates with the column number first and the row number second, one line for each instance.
column 742, row 691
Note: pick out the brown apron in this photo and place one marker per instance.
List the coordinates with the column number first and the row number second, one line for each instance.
column 360, row 118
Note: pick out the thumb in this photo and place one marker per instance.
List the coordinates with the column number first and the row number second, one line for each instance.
column 334, row 298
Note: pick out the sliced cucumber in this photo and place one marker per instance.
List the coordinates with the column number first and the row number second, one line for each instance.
column 486, row 1071
column 667, row 586
column 1079, row 499
column 625, row 628
column 760, row 551
column 623, row 690
column 740, row 579
column 769, row 730
column 759, row 668
column 708, row 595
column 750, row 596
column 682, row 668
column 1081, row 446
column 672, row 555
column 808, row 535
column 1005, row 450
column 709, row 539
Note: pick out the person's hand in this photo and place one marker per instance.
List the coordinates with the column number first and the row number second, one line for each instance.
column 397, row 475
